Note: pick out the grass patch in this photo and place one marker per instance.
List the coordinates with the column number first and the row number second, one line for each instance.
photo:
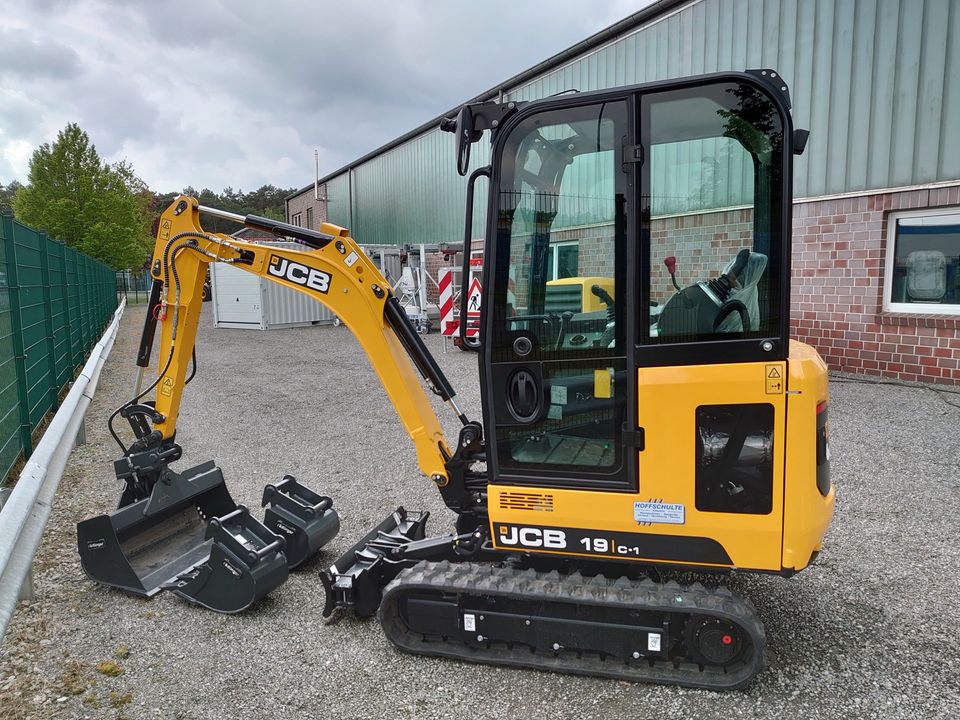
column 118, row 700
column 76, row 679
column 109, row 668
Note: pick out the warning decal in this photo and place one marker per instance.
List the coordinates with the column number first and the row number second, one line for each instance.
column 166, row 387
column 774, row 379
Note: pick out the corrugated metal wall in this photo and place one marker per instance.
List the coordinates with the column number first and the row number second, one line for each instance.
column 877, row 83
column 411, row 194
column 246, row 301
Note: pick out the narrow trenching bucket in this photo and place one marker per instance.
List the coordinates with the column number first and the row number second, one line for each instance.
column 144, row 544
column 306, row 520
column 245, row 562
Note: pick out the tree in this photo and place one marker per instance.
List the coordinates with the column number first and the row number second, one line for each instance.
column 7, row 194
column 268, row 201
column 97, row 208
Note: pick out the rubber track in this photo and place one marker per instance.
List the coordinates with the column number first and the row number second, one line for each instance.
column 487, row 579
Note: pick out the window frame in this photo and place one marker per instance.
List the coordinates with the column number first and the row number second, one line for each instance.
column 768, row 346
column 889, row 263
column 555, row 248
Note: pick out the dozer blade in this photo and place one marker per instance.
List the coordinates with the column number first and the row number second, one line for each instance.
column 146, row 543
column 245, row 562
column 357, row 579
column 304, row 519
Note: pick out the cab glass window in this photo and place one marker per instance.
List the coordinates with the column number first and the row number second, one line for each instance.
column 711, row 208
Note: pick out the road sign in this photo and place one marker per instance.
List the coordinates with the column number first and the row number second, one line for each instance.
column 474, row 298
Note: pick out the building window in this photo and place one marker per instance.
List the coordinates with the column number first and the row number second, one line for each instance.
column 922, row 271
column 563, row 260
column 310, row 218
column 298, row 220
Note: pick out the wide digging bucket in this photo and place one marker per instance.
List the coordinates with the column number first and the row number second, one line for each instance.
column 144, row 544
column 306, row 520
column 245, row 562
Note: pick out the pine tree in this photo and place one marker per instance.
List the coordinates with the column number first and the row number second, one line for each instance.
column 7, row 194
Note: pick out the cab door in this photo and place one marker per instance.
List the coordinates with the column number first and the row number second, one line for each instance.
column 557, row 378
column 712, row 345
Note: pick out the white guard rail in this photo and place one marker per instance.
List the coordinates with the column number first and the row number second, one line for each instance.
column 24, row 515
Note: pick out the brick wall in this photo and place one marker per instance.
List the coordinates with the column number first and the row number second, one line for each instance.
column 703, row 245
column 837, row 301
column 301, row 202
column 435, row 261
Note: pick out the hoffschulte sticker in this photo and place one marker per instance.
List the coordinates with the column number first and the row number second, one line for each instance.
column 658, row 512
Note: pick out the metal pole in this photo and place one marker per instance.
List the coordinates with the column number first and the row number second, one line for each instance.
column 422, row 285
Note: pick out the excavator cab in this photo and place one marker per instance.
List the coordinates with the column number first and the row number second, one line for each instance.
column 655, row 430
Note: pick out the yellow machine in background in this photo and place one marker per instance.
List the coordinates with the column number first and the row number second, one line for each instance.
column 620, row 438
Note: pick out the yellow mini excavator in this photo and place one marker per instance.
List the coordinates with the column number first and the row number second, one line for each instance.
column 632, row 425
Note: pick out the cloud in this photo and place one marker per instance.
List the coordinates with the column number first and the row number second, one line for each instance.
column 230, row 93
column 27, row 56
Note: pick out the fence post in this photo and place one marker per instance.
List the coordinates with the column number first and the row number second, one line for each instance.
column 53, row 390
column 16, row 322
column 76, row 317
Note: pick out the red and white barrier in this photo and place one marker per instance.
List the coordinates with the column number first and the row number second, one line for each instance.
column 449, row 324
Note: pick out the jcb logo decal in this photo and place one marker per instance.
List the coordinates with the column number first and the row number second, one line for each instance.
column 299, row 273
column 532, row 537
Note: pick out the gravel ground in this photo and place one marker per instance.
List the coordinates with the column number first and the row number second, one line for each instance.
column 870, row 631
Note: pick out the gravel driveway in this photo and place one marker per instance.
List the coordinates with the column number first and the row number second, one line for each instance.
column 871, row 631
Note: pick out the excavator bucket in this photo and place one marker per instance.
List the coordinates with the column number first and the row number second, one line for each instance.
column 304, row 519
column 146, row 543
column 245, row 562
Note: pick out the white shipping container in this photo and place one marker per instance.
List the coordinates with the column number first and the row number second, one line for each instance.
column 244, row 300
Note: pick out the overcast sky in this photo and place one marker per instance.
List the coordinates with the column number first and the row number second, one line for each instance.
column 239, row 93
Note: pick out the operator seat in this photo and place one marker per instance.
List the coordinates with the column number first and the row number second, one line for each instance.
column 747, row 293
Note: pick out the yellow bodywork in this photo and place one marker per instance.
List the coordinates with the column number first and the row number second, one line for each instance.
column 782, row 540
column 350, row 293
column 589, row 301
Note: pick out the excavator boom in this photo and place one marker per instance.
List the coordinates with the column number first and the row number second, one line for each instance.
column 333, row 270
column 182, row 531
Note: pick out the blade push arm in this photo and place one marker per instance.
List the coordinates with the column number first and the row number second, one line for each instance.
column 331, row 269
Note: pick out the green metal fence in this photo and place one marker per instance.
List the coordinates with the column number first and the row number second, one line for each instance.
column 54, row 304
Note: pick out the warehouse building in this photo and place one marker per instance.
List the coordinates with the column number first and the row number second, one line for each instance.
column 876, row 246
